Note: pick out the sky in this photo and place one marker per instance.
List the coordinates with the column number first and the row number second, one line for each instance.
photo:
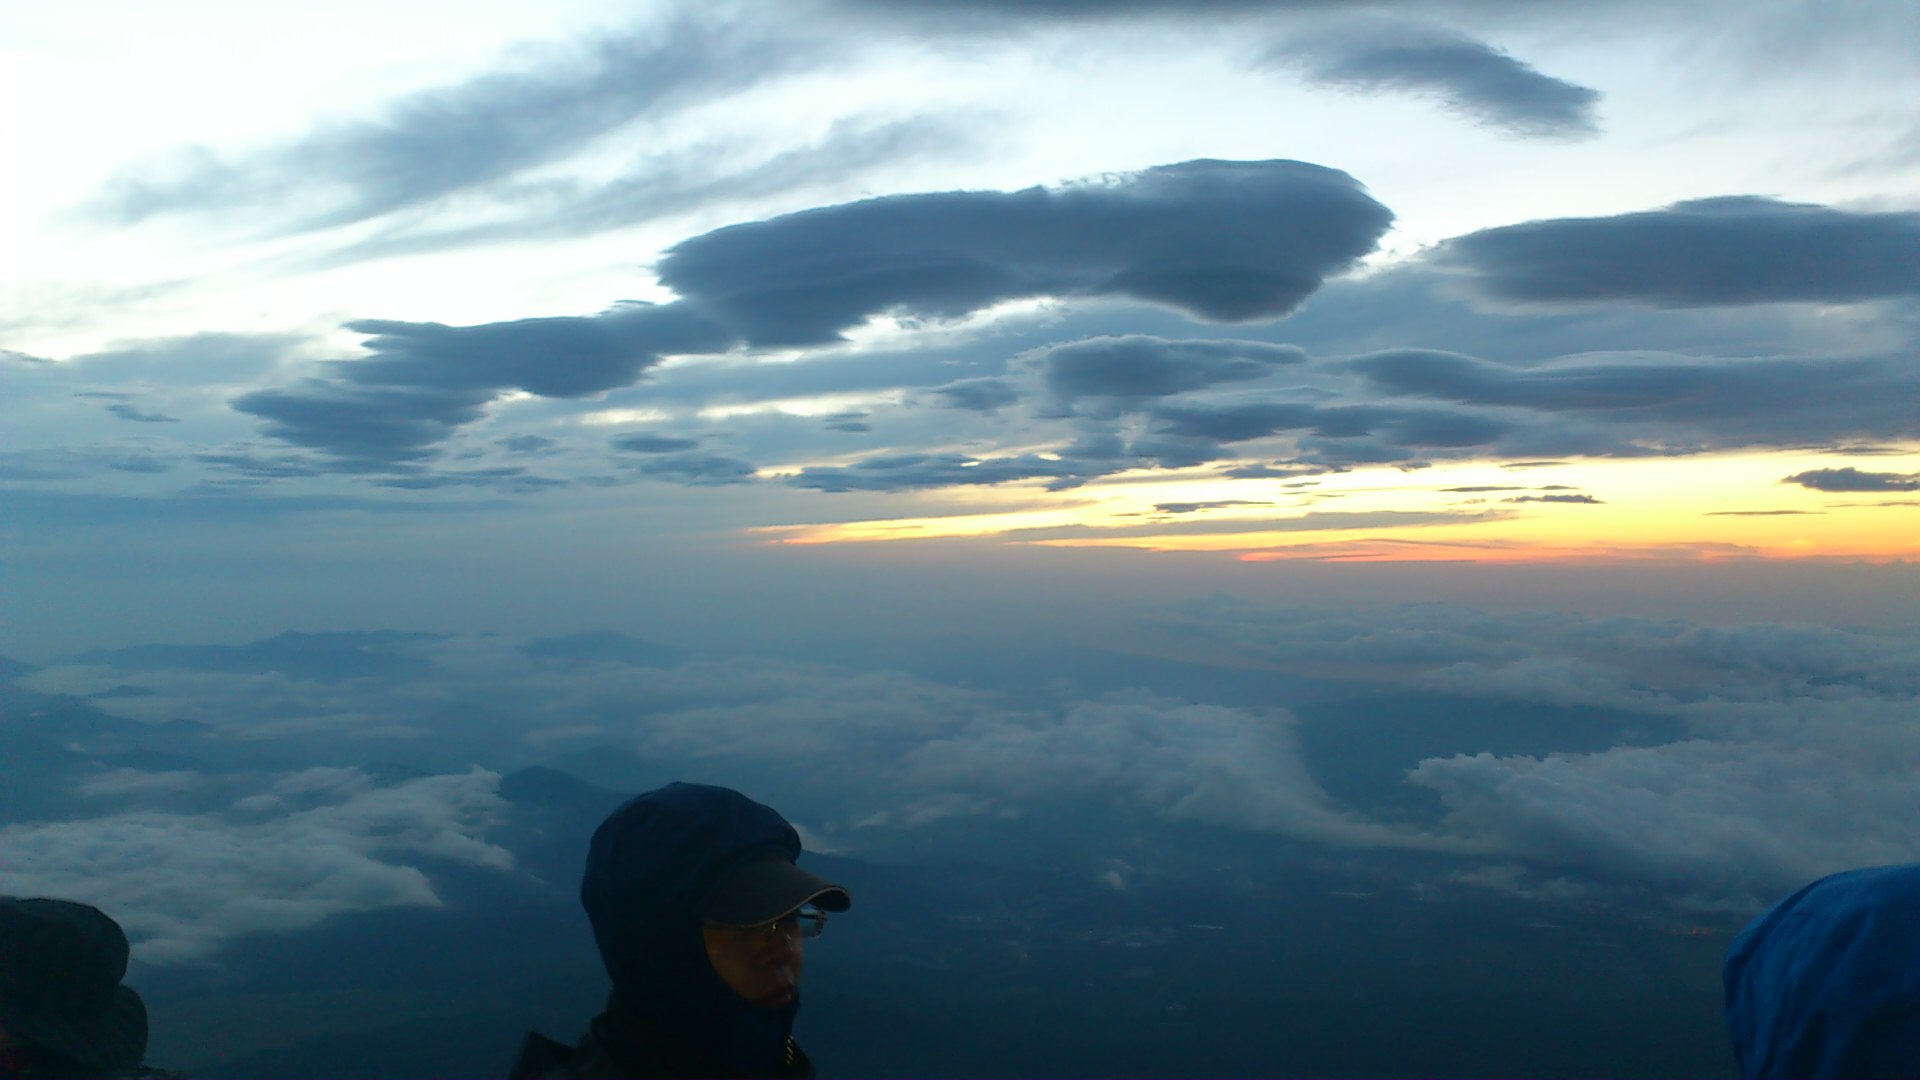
column 1272, row 281
column 978, row 400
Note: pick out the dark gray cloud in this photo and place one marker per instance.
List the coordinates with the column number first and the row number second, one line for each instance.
column 907, row 472
column 1790, row 401
column 526, row 444
column 1255, row 419
column 129, row 412
column 254, row 465
column 72, row 463
column 1470, row 77
column 1852, row 479
column 698, row 470
column 446, row 140
column 566, row 356
column 644, row 443
column 364, row 429
column 1228, row 241
column 1312, row 521
column 1705, row 252
column 1216, row 239
column 1276, row 471
column 1109, row 374
column 978, row 395
column 850, row 422
column 425, row 380
column 1584, row 500
column 510, row 478
column 143, row 464
column 1211, row 504
column 1761, row 513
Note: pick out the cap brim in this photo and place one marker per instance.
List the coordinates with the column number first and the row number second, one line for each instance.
column 770, row 889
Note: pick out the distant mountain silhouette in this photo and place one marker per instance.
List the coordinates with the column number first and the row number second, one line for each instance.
column 323, row 657
column 49, row 741
column 604, row 646
column 13, row 669
column 554, row 815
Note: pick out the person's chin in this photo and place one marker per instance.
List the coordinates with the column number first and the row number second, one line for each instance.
column 776, row 999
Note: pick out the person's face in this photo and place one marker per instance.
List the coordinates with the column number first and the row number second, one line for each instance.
column 760, row 963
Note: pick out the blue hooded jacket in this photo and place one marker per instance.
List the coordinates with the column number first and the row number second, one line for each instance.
column 652, row 867
column 1827, row 981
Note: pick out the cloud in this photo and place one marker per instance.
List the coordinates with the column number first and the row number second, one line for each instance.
column 1791, row 759
column 702, row 177
column 1226, row 241
column 1852, row 479
column 1585, row 500
column 187, row 885
column 1729, row 823
column 527, row 444
column 1229, row 241
column 699, row 470
column 115, row 783
column 423, row 381
column 977, row 395
column 1198, row 763
column 440, row 142
column 129, row 412
column 1211, row 504
column 851, row 422
column 1705, row 252
column 1470, row 77
column 654, row 444
column 1755, row 757
column 1313, row 521
column 1105, row 375
column 907, row 472
column 1656, row 401
column 1253, row 418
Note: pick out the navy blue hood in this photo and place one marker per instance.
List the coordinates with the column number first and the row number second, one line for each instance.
column 653, row 865
column 1827, row 981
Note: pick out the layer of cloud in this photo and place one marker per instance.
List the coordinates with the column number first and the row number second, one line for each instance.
column 1106, row 405
column 1704, row 252
column 1230, row 241
column 424, row 381
column 1852, row 479
column 1470, row 77
column 1789, row 758
column 187, row 885
column 666, row 183
column 1227, row 241
column 1793, row 763
column 443, row 141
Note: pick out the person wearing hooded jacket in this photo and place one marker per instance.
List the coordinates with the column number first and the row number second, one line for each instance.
column 699, row 911
column 1826, row 983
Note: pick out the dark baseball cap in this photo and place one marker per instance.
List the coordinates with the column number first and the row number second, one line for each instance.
column 771, row 888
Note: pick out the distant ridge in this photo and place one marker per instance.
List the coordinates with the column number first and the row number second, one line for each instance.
column 320, row 657
column 603, row 646
column 538, row 785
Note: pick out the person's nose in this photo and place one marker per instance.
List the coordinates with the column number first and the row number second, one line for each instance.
column 781, row 947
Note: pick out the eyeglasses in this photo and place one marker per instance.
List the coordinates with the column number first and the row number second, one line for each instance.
column 807, row 922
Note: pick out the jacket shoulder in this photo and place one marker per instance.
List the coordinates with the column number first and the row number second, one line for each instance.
column 542, row 1058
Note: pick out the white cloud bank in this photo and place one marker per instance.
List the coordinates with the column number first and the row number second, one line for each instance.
column 185, row 885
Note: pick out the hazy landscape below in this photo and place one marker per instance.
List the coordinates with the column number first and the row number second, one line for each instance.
column 355, row 854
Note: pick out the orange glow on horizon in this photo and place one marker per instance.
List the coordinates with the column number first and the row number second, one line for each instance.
column 1704, row 509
